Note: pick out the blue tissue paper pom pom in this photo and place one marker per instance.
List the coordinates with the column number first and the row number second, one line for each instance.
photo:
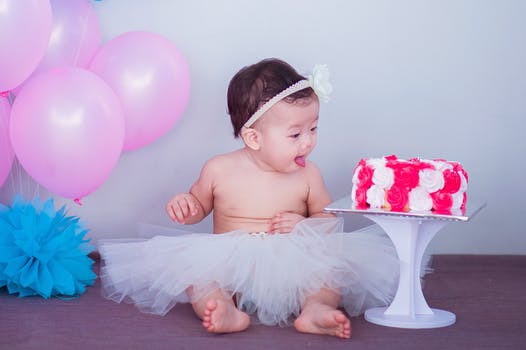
column 43, row 251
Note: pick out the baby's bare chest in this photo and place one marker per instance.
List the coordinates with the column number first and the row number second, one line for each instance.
column 261, row 195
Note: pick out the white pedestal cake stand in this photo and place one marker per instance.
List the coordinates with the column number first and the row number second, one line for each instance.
column 410, row 233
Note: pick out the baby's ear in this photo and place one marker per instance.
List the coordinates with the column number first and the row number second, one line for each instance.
column 251, row 137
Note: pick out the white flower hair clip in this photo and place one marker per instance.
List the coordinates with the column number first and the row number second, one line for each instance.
column 318, row 80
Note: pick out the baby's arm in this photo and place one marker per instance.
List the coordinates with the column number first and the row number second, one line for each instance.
column 317, row 199
column 190, row 208
column 319, row 196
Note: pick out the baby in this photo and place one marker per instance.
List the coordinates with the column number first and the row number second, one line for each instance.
column 268, row 185
column 274, row 252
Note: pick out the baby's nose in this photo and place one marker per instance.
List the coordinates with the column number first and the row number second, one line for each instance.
column 307, row 141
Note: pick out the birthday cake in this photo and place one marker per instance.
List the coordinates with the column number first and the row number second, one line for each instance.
column 416, row 184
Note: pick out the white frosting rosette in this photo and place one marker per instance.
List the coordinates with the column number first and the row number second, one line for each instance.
column 431, row 180
column 376, row 162
column 419, row 199
column 353, row 194
column 463, row 183
column 440, row 165
column 375, row 196
column 383, row 177
column 458, row 199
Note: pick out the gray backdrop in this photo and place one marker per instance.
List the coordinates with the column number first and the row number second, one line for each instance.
column 434, row 79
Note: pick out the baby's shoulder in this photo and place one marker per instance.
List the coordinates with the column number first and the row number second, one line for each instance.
column 312, row 174
column 221, row 162
column 311, row 169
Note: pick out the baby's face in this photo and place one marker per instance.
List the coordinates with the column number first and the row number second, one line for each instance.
column 289, row 134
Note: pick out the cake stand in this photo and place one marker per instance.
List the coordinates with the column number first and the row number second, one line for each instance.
column 410, row 233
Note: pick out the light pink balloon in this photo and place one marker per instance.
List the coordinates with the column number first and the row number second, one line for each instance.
column 25, row 28
column 151, row 77
column 67, row 130
column 6, row 152
column 75, row 36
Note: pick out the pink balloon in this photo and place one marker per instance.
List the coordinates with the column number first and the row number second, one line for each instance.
column 75, row 36
column 6, row 152
column 151, row 77
column 67, row 130
column 25, row 27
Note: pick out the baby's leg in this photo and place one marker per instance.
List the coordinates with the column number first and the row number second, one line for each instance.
column 320, row 315
column 219, row 314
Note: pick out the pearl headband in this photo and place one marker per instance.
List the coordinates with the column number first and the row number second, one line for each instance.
column 318, row 81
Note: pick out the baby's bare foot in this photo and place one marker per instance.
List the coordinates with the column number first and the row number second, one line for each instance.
column 221, row 316
column 322, row 319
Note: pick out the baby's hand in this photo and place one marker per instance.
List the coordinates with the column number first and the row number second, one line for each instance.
column 284, row 222
column 180, row 207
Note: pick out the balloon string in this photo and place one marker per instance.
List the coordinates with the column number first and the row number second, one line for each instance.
column 77, row 200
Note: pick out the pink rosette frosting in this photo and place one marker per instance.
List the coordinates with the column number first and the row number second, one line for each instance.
column 405, row 174
column 359, row 196
column 458, row 168
column 363, row 175
column 451, row 181
column 398, row 198
column 362, row 180
column 442, row 202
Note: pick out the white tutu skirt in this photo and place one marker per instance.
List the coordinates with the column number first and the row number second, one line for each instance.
column 270, row 276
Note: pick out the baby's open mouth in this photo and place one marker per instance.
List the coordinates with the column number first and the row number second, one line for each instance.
column 300, row 160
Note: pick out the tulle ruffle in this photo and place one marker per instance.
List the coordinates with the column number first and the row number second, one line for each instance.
column 269, row 275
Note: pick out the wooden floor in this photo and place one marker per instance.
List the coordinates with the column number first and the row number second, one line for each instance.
column 487, row 294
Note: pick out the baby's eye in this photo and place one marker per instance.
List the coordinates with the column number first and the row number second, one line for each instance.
column 314, row 129
column 295, row 136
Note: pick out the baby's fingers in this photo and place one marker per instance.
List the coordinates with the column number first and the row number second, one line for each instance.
column 284, row 222
column 191, row 206
column 170, row 211
column 177, row 212
column 281, row 226
column 179, row 209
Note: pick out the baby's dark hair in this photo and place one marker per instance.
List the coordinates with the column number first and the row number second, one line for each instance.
column 254, row 85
